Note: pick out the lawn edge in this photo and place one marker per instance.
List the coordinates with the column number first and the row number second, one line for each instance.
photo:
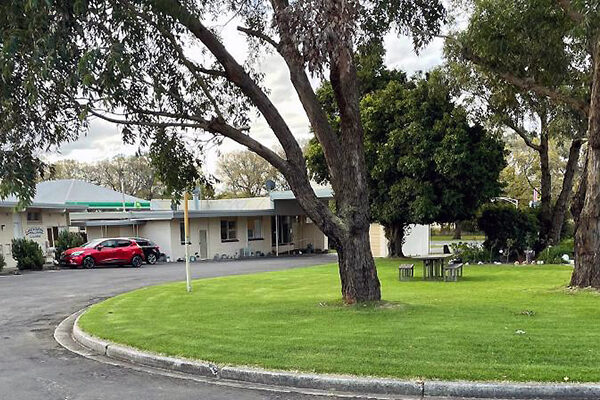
column 342, row 383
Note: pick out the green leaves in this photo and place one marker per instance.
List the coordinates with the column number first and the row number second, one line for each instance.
column 174, row 164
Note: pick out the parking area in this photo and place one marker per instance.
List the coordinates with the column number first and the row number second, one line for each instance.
column 33, row 366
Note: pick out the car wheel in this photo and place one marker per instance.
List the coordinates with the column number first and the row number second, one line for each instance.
column 151, row 259
column 88, row 262
column 136, row 261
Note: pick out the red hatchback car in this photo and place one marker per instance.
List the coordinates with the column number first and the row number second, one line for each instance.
column 121, row 251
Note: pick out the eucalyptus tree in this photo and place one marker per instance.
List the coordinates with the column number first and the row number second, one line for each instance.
column 244, row 173
column 133, row 175
column 63, row 62
column 549, row 49
column 534, row 120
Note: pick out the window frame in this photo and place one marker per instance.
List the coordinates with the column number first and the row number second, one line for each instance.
column 289, row 221
column 182, row 233
column 32, row 220
column 228, row 230
column 260, row 235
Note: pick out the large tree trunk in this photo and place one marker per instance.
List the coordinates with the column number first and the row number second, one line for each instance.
column 457, row 231
column 560, row 208
column 357, row 269
column 394, row 233
column 587, row 236
column 545, row 185
column 579, row 197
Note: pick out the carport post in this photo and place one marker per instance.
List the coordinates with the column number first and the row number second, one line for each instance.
column 276, row 235
column 186, row 224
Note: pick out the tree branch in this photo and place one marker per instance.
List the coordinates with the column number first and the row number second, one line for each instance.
column 575, row 15
column 317, row 117
column 213, row 126
column 236, row 74
column 259, row 35
column 213, row 72
column 196, row 125
column 190, row 65
column 526, row 83
column 523, row 134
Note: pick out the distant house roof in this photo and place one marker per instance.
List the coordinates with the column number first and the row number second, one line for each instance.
column 77, row 195
column 81, row 193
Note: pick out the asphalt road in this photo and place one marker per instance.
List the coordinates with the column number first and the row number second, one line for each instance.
column 33, row 366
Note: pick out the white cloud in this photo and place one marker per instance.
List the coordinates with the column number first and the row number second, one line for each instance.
column 102, row 141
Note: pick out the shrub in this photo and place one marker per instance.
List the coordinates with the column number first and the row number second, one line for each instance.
column 28, row 254
column 2, row 262
column 554, row 254
column 508, row 229
column 67, row 240
column 470, row 252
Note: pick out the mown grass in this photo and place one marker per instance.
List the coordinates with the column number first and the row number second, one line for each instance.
column 498, row 323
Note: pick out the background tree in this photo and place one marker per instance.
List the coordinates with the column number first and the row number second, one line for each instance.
column 133, row 175
column 522, row 174
column 129, row 63
column 549, row 48
column 525, row 114
column 426, row 162
column 245, row 173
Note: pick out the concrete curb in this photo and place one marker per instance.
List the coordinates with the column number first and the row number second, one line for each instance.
column 350, row 384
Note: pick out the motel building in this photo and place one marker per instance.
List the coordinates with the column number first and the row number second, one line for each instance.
column 41, row 221
column 219, row 229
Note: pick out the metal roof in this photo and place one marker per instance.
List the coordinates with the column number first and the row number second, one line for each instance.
column 321, row 192
column 78, row 192
column 257, row 206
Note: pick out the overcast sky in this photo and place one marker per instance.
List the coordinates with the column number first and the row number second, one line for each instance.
column 104, row 141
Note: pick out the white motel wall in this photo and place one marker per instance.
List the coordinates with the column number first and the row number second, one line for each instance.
column 40, row 224
column 228, row 228
column 206, row 241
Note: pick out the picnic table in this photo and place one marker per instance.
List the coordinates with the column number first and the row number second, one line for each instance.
column 433, row 265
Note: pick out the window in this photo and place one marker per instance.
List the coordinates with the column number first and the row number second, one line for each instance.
column 109, row 244
column 285, row 229
column 228, row 230
column 52, row 234
column 182, row 232
column 255, row 228
column 123, row 243
column 34, row 216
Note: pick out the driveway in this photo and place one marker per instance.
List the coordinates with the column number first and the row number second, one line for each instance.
column 33, row 366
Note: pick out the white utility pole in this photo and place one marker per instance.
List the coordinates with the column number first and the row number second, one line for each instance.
column 186, row 224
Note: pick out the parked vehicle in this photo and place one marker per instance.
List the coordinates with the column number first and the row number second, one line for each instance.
column 120, row 251
column 151, row 250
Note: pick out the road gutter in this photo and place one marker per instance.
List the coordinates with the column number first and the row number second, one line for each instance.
column 319, row 384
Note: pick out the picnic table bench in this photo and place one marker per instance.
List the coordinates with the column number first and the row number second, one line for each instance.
column 433, row 265
column 452, row 272
column 406, row 271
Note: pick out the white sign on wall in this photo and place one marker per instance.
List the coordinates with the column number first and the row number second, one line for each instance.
column 34, row 232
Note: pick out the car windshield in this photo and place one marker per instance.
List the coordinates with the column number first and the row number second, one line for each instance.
column 92, row 243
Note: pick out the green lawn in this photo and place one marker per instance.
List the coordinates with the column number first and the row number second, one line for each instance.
column 498, row 323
